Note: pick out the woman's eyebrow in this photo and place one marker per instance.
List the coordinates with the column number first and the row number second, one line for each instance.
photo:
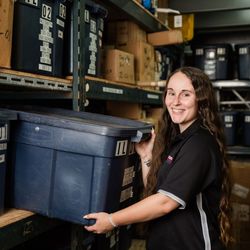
column 183, row 90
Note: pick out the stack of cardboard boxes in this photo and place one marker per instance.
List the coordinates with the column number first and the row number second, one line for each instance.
column 240, row 172
column 128, row 42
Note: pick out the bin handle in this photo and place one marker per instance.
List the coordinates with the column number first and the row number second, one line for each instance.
column 141, row 135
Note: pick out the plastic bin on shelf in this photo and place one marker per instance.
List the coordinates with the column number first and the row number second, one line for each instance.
column 5, row 118
column 93, row 32
column 68, row 163
column 214, row 59
column 229, row 121
column 246, row 128
column 243, row 61
column 38, row 36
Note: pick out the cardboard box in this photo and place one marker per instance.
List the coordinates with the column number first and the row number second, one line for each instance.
column 119, row 66
column 124, row 109
column 165, row 37
column 6, row 27
column 129, row 32
column 184, row 23
column 144, row 59
column 240, row 174
column 241, row 226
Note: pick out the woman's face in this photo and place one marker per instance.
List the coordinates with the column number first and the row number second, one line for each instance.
column 181, row 101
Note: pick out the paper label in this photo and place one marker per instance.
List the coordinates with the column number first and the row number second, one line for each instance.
column 240, row 191
column 241, row 212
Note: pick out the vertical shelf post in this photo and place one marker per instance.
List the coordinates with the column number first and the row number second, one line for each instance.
column 79, row 94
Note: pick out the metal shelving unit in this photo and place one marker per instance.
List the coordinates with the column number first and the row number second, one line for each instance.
column 31, row 86
column 237, row 87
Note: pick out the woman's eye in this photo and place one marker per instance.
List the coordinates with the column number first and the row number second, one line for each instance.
column 185, row 94
column 171, row 93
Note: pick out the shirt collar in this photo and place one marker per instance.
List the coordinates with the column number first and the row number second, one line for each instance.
column 189, row 131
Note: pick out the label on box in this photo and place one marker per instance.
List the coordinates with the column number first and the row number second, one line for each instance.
column 240, row 191
column 2, row 158
column 3, row 146
column 178, row 21
column 3, row 133
column 241, row 212
column 112, row 90
column 121, row 147
column 32, row 2
column 247, row 119
column 126, row 194
column 152, row 96
column 129, row 174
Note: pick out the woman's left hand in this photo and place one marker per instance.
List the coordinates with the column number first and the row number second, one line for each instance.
column 102, row 224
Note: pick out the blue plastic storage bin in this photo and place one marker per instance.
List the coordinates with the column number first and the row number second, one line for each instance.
column 5, row 118
column 38, row 36
column 214, row 59
column 246, row 128
column 93, row 32
column 67, row 164
column 229, row 121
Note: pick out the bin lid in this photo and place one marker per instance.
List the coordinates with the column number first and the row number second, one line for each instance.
column 7, row 115
column 96, row 9
column 85, row 122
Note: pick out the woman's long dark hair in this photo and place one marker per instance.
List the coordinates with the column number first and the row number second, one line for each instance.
column 208, row 113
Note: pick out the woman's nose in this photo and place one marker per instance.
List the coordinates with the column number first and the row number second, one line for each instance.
column 176, row 99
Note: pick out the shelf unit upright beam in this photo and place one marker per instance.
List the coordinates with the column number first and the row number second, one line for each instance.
column 79, row 94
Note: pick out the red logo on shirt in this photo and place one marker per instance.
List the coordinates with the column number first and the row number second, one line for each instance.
column 169, row 159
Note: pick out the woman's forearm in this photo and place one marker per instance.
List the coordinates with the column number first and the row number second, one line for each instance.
column 147, row 209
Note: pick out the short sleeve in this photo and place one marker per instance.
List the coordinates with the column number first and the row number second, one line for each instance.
column 188, row 172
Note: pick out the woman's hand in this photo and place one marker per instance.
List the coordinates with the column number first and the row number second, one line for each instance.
column 144, row 148
column 102, row 225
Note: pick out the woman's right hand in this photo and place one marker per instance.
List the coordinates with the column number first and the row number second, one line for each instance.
column 144, row 148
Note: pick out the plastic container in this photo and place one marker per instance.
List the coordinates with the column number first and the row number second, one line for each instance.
column 5, row 118
column 68, row 164
column 107, row 241
column 246, row 128
column 243, row 61
column 38, row 36
column 93, row 33
column 215, row 60
column 229, row 120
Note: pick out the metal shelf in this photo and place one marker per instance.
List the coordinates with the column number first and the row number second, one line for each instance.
column 231, row 84
column 238, row 150
column 33, row 81
column 18, row 226
column 136, row 12
column 213, row 14
column 101, row 89
column 239, row 89
column 96, row 88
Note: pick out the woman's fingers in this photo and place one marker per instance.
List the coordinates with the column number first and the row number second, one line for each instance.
column 90, row 216
column 102, row 224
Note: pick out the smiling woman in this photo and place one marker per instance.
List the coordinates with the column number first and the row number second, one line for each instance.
column 186, row 184
column 180, row 100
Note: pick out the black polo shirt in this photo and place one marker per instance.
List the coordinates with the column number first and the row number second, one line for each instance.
column 191, row 175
